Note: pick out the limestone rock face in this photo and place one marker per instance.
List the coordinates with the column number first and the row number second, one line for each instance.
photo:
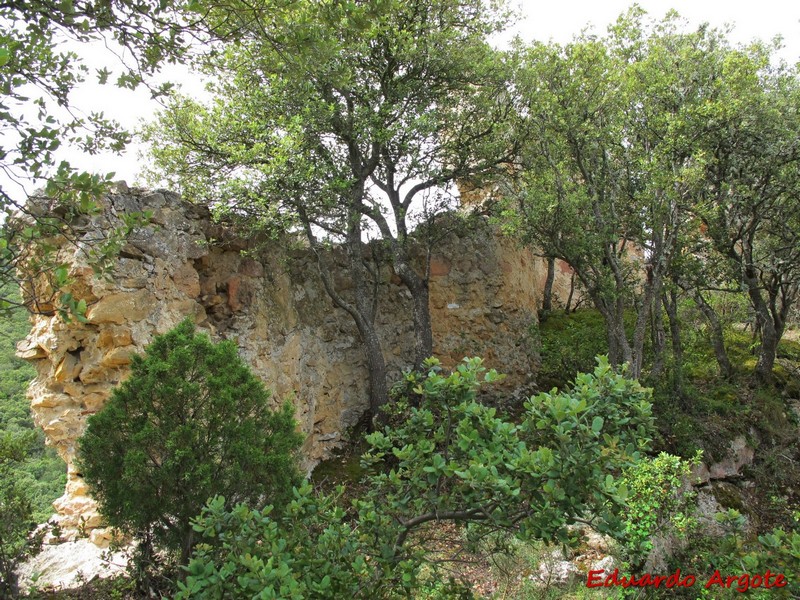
column 68, row 565
column 484, row 293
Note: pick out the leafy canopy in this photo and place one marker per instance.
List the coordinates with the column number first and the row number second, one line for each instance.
column 342, row 121
column 38, row 75
column 315, row 100
column 190, row 423
column 662, row 156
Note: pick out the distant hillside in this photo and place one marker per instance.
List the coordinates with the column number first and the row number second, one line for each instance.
column 44, row 473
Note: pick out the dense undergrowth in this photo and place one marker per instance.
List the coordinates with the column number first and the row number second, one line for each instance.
column 762, row 520
column 708, row 413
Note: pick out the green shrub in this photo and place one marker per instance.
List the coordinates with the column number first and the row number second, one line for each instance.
column 307, row 551
column 456, row 459
column 660, row 500
column 745, row 557
column 448, row 458
column 190, row 423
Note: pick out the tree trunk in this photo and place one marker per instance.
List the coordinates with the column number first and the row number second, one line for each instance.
column 616, row 324
column 652, row 290
column 717, row 337
column 659, row 338
column 627, row 351
column 613, row 312
column 547, row 295
column 362, row 310
column 418, row 286
column 768, row 352
column 769, row 333
column 671, row 305
column 187, row 546
column 571, row 293
column 376, row 366
column 619, row 351
column 614, row 351
column 423, row 333
column 400, row 242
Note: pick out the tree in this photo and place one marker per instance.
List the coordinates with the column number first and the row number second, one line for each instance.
column 576, row 192
column 653, row 145
column 448, row 459
column 338, row 119
column 750, row 205
column 191, row 422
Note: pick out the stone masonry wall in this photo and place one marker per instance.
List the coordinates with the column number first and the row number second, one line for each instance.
column 484, row 295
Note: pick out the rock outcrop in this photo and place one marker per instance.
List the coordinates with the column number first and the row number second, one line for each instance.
column 69, row 565
column 268, row 299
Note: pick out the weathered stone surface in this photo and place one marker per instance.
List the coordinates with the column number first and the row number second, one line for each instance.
column 605, row 564
column 119, row 356
column 68, row 565
column 46, row 400
column 700, row 474
column 30, row 351
column 484, row 295
column 113, row 337
column 187, row 280
column 69, row 368
column 739, row 456
column 439, row 267
column 120, row 308
column 554, row 569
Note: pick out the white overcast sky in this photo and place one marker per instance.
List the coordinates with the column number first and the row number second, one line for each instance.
column 558, row 20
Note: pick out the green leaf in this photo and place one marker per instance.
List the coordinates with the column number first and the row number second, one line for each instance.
column 597, row 424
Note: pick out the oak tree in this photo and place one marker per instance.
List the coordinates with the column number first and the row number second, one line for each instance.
column 345, row 121
column 663, row 159
column 39, row 72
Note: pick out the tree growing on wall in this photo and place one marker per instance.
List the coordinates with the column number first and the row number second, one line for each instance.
column 346, row 120
column 191, row 422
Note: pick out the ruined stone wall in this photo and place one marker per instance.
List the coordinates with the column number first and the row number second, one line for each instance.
column 484, row 295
